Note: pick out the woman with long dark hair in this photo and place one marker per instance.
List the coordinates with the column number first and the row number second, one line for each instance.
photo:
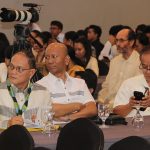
column 84, row 53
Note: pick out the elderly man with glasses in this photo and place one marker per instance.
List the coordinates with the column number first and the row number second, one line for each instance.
column 125, row 101
column 21, row 100
column 122, row 67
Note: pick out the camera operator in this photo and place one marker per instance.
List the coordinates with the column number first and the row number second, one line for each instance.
column 124, row 100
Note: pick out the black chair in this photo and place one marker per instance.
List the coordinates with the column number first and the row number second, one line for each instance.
column 131, row 143
column 16, row 137
column 41, row 148
column 80, row 134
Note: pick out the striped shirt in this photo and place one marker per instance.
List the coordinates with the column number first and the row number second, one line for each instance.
column 38, row 98
column 73, row 90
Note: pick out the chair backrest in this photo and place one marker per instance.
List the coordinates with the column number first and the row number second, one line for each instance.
column 41, row 148
column 80, row 134
column 16, row 137
column 131, row 143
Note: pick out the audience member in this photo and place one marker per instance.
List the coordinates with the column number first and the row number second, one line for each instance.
column 70, row 37
column 41, row 42
column 33, row 34
column 3, row 72
column 131, row 143
column 90, row 79
column 22, row 96
column 83, row 51
column 70, row 96
column 124, row 100
column 4, row 43
column 93, row 35
column 141, row 41
column 16, row 137
column 147, row 32
column 122, row 67
column 56, row 28
column 140, row 28
column 80, row 134
column 81, row 34
column 109, row 51
column 75, row 64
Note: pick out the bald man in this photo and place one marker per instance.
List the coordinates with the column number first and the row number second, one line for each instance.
column 70, row 96
column 122, row 67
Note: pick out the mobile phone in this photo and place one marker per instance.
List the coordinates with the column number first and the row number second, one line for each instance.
column 138, row 95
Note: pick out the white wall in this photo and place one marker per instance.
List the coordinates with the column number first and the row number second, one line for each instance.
column 76, row 14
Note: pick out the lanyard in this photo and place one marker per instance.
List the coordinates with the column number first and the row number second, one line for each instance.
column 16, row 105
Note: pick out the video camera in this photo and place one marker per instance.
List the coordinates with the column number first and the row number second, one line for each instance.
column 21, row 30
column 26, row 16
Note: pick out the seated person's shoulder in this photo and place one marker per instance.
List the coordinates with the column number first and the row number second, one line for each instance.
column 3, row 85
column 37, row 87
column 116, row 58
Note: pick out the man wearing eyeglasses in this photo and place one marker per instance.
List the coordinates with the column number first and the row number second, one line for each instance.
column 20, row 100
column 56, row 28
column 122, row 67
column 124, row 101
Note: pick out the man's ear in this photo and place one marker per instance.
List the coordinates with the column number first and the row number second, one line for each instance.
column 132, row 43
column 32, row 72
column 67, row 60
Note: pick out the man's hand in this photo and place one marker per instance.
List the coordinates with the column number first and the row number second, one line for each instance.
column 79, row 106
column 133, row 101
column 15, row 120
column 65, row 109
column 145, row 102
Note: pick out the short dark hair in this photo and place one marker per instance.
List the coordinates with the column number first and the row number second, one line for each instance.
column 97, row 29
column 71, row 35
column 16, row 137
column 46, row 36
column 131, row 35
column 30, row 57
column 81, row 33
column 140, row 28
column 147, row 29
column 89, row 77
column 115, row 29
column 57, row 23
column 142, row 38
column 145, row 50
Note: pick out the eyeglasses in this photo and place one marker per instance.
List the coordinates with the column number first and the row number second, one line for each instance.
column 18, row 68
column 144, row 67
column 121, row 40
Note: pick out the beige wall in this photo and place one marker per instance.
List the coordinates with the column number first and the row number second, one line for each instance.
column 77, row 14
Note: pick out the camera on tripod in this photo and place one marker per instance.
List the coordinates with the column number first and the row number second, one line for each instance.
column 25, row 16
